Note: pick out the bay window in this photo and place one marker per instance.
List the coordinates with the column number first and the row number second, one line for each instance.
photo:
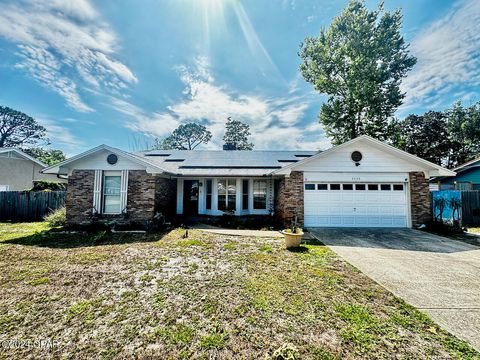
column 259, row 194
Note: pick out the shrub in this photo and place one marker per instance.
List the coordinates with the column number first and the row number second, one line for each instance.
column 57, row 217
column 45, row 185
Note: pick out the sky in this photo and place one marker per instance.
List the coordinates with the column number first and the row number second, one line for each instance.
column 125, row 72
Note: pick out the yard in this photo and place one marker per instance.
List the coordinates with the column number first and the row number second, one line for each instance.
column 205, row 296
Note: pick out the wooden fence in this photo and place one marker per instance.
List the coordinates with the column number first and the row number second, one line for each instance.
column 471, row 208
column 29, row 205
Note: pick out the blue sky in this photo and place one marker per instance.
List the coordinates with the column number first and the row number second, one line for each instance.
column 124, row 72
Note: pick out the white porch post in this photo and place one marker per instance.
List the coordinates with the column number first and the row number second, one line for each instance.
column 238, row 197
column 179, row 196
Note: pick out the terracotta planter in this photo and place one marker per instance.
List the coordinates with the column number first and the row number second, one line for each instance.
column 292, row 240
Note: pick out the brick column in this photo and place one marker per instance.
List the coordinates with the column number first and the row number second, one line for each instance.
column 290, row 199
column 420, row 198
column 79, row 201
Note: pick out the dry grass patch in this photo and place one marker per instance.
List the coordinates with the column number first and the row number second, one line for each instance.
column 202, row 296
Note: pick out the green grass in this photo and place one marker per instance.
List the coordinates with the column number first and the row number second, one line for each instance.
column 205, row 296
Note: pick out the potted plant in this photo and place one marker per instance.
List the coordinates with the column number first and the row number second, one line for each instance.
column 293, row 235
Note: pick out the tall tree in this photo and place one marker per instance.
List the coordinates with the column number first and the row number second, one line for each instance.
column 18, row 129
column 185, row 137
column 236, row 134
column 359, row 62
column 47, row 156
column 425, row 136
column 464, row 128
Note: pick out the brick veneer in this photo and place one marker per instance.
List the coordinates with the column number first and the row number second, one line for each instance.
column 79, row 199
column 147, row 194
column 420, row 199
column 289, row 199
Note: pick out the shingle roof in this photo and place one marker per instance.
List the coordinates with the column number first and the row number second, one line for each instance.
column 221, row 162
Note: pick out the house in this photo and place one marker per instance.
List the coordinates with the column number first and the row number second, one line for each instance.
column 18, row 170
column 467, row 178
column 361, row 183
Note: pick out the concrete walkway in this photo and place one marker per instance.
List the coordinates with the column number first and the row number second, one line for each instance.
column 237, row 232
column 437, row 275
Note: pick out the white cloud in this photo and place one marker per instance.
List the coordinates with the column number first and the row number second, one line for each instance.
column 274, row 123
column 448, row 55
column 61, row 136
column 60, row 38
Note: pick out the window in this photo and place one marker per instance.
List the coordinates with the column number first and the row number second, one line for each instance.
column 259, row 194
column 208, row 195
column 359, row 186
column 226, row 194
column 322, row 186
column 372, row 186
column 334, row 186
column 111, row 194
column 245, row 194
column 385, row 187
column 309, row 186
column 4, row 187
column 398, row 187
column 347, row 186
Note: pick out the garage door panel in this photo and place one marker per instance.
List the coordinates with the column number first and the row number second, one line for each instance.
column 356, row 208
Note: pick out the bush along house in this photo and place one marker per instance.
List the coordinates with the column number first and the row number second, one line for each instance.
column 361, row 183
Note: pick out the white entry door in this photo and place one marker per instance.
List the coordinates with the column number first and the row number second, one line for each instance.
column 341, row 204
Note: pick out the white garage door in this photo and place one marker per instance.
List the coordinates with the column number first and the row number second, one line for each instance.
column 336, row 204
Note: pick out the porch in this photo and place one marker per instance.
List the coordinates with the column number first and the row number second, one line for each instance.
column 227, row 195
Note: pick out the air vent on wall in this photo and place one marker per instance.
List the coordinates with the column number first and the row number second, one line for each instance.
column 302, row 155
column 287, row 161
column 157, row 155
column 174, row 160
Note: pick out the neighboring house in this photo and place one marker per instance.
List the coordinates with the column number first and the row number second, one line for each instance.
column 467, row 178
column 18, row 170
column 361, row 183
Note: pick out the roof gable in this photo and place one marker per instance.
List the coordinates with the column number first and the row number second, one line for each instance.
column 378, row 156
column 95, row 159
column 20, row 154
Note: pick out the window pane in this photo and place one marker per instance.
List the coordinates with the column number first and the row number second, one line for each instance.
column 222, row 187
column 372, row 186
column 398, row 187
column 222, row 202
column 111, row 204
column 309, row 186
column 259, row 194
column 111, row 185
column 322, row 186
column 347, row 186
column 232, row 194
column 111, row 194
column 208, row 197
column 334, row 186
column 245, row 194
column 359, row 186
column 385, row 187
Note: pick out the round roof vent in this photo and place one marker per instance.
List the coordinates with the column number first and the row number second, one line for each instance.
column 112, row 159
column 357, row 156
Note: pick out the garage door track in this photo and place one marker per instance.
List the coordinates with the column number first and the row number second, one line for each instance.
column 437, row 275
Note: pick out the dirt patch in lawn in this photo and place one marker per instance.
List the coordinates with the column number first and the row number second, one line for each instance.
column 205, row 296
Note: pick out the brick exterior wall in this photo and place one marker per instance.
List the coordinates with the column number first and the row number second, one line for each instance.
column 165, row 196
column 289, row 199
column 147, row 194
column 79, row 201
column 421, row 207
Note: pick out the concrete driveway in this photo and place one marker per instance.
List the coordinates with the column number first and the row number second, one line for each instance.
column 437, row 275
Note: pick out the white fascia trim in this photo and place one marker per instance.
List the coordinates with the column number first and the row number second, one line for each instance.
column 55, row 169
column 437, row 170
column 21, row 153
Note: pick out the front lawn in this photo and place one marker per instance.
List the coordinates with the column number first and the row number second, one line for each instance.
column 206, row 296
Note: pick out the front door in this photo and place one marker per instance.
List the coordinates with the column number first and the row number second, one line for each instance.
column 190, row 197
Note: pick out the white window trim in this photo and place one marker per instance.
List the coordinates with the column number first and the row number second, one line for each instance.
column 98, row 196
